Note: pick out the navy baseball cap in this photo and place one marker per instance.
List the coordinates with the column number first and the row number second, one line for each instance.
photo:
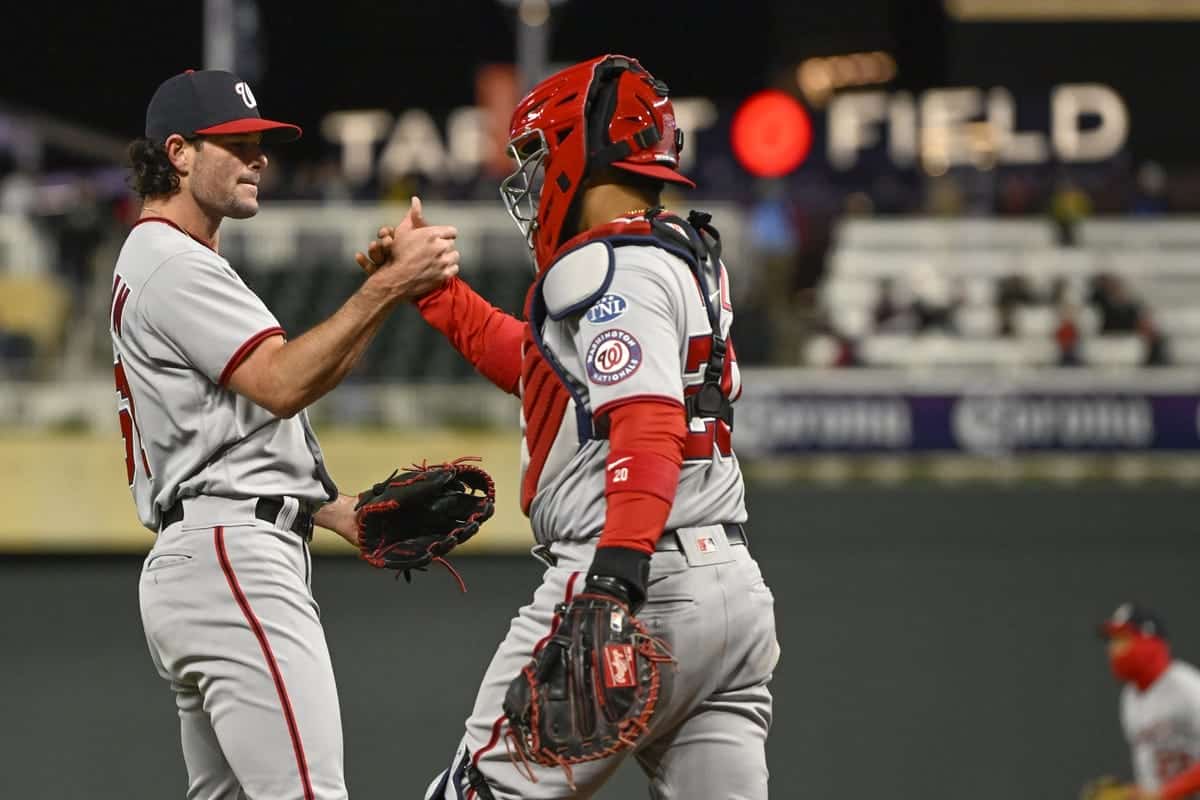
column 1132, row 618
column 210, row 102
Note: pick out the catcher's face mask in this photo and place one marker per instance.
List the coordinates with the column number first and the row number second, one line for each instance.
column 605, row 112
column 521, row 190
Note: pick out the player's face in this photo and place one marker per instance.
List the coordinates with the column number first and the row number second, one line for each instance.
column 1118, row 643
column 226, row 172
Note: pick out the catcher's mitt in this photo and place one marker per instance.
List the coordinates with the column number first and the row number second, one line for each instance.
column 415, row 517
column 590, row 691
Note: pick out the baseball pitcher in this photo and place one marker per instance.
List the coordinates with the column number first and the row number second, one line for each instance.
column 223, row 464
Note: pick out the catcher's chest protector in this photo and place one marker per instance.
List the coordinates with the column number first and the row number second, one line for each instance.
column 557, row 415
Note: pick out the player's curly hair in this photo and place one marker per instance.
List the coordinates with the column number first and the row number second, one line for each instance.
column 151, row 172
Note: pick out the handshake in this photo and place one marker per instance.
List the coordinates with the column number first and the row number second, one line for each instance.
column 418, row 257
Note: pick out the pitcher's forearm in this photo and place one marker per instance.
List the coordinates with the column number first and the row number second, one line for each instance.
column 310, row 366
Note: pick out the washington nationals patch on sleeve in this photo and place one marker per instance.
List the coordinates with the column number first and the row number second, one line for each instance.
column 612, row 357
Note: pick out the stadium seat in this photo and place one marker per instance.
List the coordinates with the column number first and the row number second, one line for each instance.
column 977, row 291
column 853, row 322
column 1087, row 319
column 980, row 322
column 933, row 233
column 850, row 292
column 1034, row 321
column 1048, row 263
column 1185, row 350
column 1113, row 351
column 1183, row 321
column 821, row 351
column 1103, row 234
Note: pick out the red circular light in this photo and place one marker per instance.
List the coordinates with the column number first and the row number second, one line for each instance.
column 771, row 134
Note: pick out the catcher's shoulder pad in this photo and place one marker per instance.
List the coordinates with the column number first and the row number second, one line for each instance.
column 578, row 279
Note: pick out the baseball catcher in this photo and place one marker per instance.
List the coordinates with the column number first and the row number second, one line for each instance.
column 627, row 377
column 412, row 518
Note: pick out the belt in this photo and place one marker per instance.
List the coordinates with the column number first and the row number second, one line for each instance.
column 267, row 509
column 734, row 532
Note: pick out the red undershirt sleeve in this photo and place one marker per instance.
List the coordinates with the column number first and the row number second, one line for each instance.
column 1183, row 784
column 646, row 439
column 486, row 336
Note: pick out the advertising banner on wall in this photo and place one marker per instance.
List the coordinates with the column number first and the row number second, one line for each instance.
column 783, row 417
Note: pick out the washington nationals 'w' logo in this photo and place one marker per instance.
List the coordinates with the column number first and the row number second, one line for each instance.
column 243, row 90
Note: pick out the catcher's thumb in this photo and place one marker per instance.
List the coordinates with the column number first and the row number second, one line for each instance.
column 552, row 658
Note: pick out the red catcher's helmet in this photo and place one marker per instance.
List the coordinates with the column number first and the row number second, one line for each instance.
column 609, row 111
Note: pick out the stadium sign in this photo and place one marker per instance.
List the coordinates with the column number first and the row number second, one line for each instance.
column 782, row 422
column 413, row 143
column 942, row 128
column 771, row 132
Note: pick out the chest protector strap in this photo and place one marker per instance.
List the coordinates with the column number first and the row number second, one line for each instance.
column 704, row 243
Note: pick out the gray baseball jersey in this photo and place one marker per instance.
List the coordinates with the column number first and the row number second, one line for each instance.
column 647, row 337
column 182, row 321
column 623, row 322
column 1162, row 725
column 225, row 593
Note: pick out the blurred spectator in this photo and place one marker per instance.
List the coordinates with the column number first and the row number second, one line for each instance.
column 1018, row 194
column 1069, row 204
column 16, row 355
column 1151, row 193
column 933, row 303
column 944, row 196
column 1012, row 292
column 1123, row 313
column 888, row 314
column 79, row 228
column 1120, row 311
column 775, row 243
column 1067, row 335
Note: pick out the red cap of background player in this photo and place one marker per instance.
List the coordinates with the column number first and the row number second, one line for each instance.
column 1132, row 618
column 210, row 102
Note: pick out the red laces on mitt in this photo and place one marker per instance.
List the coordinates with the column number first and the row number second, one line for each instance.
column 413, row 518
column 590, row 692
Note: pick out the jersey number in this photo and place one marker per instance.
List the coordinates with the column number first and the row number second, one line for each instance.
column 125, row 413
column 699, row 445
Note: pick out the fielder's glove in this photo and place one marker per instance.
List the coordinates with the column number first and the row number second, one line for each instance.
column 592, row 689
column 1107, row 788
column 415, row 517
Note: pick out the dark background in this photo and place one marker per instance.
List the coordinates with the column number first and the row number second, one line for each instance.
column 937, row 643
column 98, row 64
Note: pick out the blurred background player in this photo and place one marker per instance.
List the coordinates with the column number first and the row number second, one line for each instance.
column 1160, row 705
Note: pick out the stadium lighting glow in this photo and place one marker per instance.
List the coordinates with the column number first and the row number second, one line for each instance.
column 771, row 134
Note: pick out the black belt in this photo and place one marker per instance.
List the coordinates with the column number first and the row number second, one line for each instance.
column 734, row 532
column 267, row 509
